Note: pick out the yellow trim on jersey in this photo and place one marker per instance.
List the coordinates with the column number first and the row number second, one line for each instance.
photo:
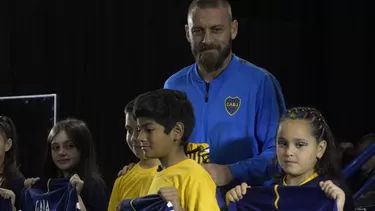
column 313, row 176
column 48, row 184
column 305, row 181
column 277, row 197
column 131, row 204
column 198, row 152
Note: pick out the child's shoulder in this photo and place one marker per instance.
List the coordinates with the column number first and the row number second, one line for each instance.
column 336, row 181
column 17, row 180
column 191, row 165
column 95, row 181
column 195, row 170
column 185, row 169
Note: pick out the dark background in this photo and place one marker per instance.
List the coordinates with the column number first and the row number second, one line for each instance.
column 99, row 54
column 33, row 118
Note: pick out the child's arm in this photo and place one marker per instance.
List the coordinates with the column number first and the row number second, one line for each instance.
column 114, row 200
column 334, row 192
column 200, row 193
column 82, row 206
column 236, row 193
column 8, row 194
column 78, row 184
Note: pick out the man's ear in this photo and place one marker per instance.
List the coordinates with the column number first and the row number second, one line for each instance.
column 234, row 29
column 187, row 34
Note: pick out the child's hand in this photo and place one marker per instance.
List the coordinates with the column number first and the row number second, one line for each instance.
column 8, row 194
column 334, row 192
column 236, row 193
column 118, row 208
column 170, row 194
column 77, row 183
column 30, row 182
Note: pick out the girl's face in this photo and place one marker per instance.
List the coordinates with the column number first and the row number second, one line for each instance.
column 64, row 153
column 297, row 149
column 5, row 145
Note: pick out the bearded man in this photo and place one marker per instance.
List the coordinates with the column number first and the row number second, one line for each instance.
column 237, row 105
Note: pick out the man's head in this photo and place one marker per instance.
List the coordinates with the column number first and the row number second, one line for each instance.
column 210, row 31
column 165, row 120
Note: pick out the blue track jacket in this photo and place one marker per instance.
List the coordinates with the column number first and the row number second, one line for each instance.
column 237, row 115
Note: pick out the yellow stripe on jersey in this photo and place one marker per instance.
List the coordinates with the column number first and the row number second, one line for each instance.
column 198, row 152
column 313, row 176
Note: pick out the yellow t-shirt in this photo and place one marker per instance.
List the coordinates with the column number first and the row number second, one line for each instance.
column 197, row 190
column 133, row 184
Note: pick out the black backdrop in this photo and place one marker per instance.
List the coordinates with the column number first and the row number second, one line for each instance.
column 98, row 54
column 34, row 118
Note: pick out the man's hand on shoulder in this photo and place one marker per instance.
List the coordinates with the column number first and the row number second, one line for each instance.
column 125, row 169
column 221, row 174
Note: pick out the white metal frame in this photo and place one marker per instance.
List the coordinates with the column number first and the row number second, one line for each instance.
column 37, row 96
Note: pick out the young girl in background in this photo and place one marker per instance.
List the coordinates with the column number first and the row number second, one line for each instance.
column 11, row 179
column 305, row 150
column 71, row 154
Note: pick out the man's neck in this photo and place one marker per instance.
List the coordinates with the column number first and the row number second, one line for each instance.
column 172, row 159
column 149, row 163
column 211, row 75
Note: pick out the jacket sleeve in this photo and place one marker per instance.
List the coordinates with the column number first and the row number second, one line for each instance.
column 269, row 107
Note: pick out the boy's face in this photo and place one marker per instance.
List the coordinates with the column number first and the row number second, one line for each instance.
column 131, row 135
column 152, row 139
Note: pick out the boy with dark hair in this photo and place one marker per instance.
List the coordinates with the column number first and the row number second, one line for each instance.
column 165, row 120
column 138, row 179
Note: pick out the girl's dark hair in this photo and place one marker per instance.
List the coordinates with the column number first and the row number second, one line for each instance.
column 11, row 171
column 78, row 132
column 327, row 165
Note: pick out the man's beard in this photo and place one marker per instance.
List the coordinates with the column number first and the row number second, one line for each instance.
column 212, row 60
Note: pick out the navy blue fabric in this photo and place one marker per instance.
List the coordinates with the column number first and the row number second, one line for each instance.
column 5, row 204
column 290, row 199
column 16, row 185
column 62, row 196
column 152, row 202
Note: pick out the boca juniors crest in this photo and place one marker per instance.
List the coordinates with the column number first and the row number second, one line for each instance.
column 232, row 104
